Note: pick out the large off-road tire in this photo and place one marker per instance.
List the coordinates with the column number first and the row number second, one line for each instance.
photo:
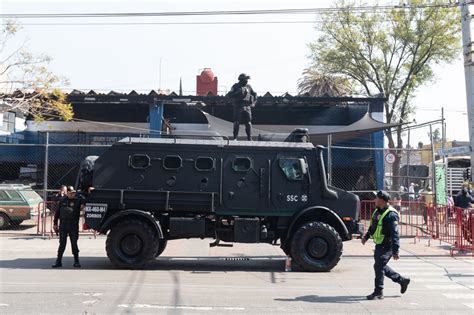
column 131, row 244
column 161, row 247
column 316, row 246
column 4, row 221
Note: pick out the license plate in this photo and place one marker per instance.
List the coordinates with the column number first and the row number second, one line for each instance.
column 95, row 210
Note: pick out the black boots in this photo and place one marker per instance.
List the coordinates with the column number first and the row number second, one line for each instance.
column 58, row 263
column 375, row 296
column 248, row 131
column 236, row 130
column 76, row 262
column 404, row 285
column 379, row 295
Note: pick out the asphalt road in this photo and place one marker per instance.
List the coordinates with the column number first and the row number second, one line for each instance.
column 192, row 278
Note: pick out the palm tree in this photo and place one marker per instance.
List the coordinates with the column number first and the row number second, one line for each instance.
column 315, row 83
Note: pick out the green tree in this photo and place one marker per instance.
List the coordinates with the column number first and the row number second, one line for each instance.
column 316, row 83
column 390, row 52
column 25, row 82
column 436, row 136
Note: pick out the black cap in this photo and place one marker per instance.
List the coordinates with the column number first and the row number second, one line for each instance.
column 70, row 189
column 383, row 195
column 243, row 76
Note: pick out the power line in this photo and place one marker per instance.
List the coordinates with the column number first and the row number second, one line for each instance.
column 171, row 23
column 224, row 12
column 437, row 110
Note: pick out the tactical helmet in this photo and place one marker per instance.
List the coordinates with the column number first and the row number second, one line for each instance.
column 243, row 76
column 383, row 195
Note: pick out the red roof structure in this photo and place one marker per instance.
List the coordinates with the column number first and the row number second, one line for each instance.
column 206, row 83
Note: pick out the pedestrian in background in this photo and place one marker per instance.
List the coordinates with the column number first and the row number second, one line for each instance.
column 463, row 199
column 411, row 192
column 426, row 197
column 384, row 231
column 62, row 191
column 56, row 198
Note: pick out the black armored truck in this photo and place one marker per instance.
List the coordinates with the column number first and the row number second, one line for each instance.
column 148, row 191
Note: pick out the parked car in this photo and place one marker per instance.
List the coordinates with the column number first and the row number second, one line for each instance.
column 17, row 203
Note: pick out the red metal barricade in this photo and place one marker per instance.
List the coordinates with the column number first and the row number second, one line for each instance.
column 413, row 216
column 46, row 217
column 447, row 224
column 452, row 225
column 46, row 211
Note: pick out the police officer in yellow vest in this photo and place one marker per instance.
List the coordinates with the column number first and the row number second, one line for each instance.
column 384, row 231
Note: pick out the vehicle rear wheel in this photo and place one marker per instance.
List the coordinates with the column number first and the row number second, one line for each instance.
column 161, row 247
column 131, row 244
column 316, row 246
column 4, row 221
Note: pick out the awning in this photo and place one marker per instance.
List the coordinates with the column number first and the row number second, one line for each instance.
column 318, row 134
column 361, row 127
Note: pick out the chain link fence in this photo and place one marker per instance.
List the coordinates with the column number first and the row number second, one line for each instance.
column 55, row 160
column 21, row 188
column 30, row 178
column 405, row 173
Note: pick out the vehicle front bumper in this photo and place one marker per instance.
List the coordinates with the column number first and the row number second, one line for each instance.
column 355, row 228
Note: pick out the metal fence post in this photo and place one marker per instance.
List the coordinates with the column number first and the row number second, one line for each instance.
column 329, row 159
column 407, row 184
column 45, row 181
column 445, row 160
column 433, row 173
column 471, row 231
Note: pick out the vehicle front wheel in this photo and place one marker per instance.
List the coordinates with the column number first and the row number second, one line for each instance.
column 316, row 246
column 131, row 244
column 4, row 221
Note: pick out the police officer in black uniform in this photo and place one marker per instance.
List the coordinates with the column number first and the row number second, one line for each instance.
column 68, row 215
column 384, row 231
column 244, row 99
column 463, row 199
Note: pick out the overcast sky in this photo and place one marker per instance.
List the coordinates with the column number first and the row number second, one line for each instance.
column 126, row 57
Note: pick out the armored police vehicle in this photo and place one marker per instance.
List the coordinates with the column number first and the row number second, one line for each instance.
column 149, row 191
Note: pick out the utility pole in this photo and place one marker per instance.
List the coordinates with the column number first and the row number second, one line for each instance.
column 443, row 146
column 159, row 83
column 468, row 53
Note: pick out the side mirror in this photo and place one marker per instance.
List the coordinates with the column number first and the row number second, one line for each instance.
column 303, row 166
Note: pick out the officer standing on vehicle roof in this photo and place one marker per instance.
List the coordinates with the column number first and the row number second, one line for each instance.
column 384, row 231
column 68, row 215
column 244, row 99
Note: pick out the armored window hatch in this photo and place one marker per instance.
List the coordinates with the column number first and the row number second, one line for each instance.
column 204, row 164
column 172, row 162
column 139, row 161
column 242, row 164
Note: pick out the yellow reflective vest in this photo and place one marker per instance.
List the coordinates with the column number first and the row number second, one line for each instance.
column 378, row 236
